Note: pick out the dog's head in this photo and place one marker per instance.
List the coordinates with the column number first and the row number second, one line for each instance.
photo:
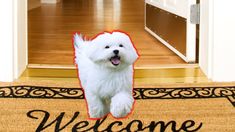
column 113, row 50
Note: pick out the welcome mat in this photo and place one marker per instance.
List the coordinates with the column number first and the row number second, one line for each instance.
column 37, row 108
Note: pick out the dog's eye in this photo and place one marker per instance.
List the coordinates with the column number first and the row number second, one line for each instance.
column 120, row 45
column 106, row 47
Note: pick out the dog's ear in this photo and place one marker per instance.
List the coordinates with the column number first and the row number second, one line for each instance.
column 96, row 45
column 133, row 55
column 92, row 54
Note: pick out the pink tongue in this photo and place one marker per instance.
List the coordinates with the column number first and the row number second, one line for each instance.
column 115, row 61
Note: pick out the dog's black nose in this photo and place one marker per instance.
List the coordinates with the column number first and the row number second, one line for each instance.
column 116, row 52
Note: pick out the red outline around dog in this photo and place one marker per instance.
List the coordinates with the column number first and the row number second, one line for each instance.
column 86, row 38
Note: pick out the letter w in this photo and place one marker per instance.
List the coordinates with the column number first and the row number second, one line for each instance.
column 58, row 120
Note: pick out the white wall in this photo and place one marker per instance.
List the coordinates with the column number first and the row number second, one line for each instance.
column 224, row 41
column 206, row 36
column 21, row 37
column 217, row 45
column 13, row 42
column 6, row 40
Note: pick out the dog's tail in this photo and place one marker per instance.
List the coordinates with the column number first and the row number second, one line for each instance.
column 78, row 40
column 80, row 43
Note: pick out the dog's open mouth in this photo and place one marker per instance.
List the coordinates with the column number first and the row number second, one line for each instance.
column 115, row 60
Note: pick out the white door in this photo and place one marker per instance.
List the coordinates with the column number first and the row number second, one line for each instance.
column 169, row 22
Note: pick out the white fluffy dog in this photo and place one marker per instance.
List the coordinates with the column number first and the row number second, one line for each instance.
column 105, row 67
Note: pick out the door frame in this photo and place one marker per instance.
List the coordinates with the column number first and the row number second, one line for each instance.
column 217, row 43
column 14, row 54
column 14, row 43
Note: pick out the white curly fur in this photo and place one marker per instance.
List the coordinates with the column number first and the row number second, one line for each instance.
column 108, row 87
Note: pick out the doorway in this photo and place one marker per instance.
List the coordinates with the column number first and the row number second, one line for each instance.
column 51, row 26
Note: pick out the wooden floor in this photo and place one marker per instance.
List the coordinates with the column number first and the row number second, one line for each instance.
column 51, row 27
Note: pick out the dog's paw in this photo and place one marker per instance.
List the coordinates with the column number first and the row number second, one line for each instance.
column 121, row 105
column 97, row 109
column 97, row 112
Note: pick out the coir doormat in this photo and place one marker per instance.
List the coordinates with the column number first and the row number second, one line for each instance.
column 36, row 108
